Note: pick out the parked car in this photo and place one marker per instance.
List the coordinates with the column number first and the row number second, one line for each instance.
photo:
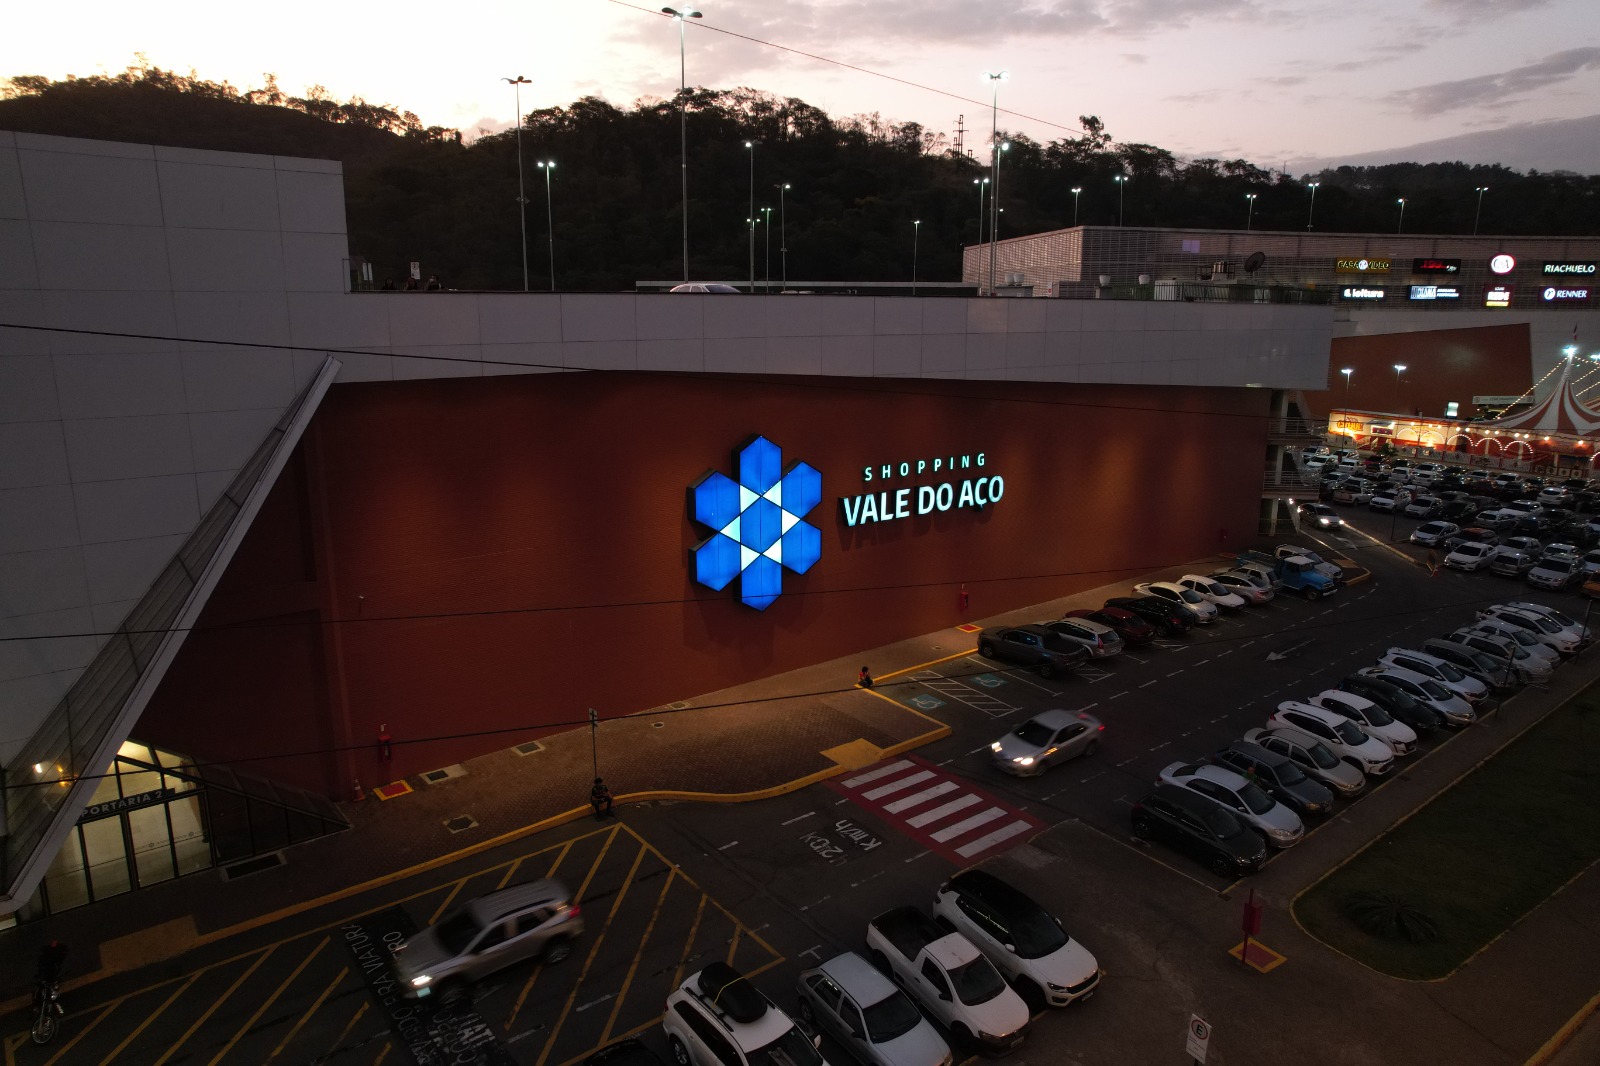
column 1425, row 690
column 1468, row 688
column 1244, row 586
column 1207, row 830
column 1282, row 778
column 1133, row 630
column 1034, row 646
column 1556, row 572
column 1556, row 615
column 1170, row 619
column 1509, row 562
column 1491, row 670
column 1213, row 591
column 1045, row 740
column 1342, row 736
column 1401, row 706
column 1248, row 801
column 1373, row 719
column 1470, row 556
column 1330, row 570
column 1560, row 550
column 1501, row 647
column 1100, row 641
column 1313, row 757
column 1205, row 612
column 537, row 920
column 1432, row 533
column 868, row 1014
column 1496, row 521
column 1423, row 507
column 1530, row 545
column 1563, row 640
column 717, row 1018
column 1027, row 944
column 1320, row 515
column 1521, row 634
column 713, row 287
column 1261, row 568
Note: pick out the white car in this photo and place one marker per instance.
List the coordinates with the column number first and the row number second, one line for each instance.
column 1343, row 737
column 1245, row 799
column 1556, row 572
column 1524, row 665
column 717, row 1018
column 847, row 998
column 1521, row 635
column 1373, row 720
column 1425, row 690
column 1099, row 640
column 1253, row 588
column 1423, row 506
column 1259, row 573
column 1026, row 943
column 1325, row 568
column 1544, row 628
column 1430, row 534
column 1447, row 674
column 1217, row 593
column 1473, row 555
column 1314, row 758
column 1591, row 563
column 1556, row 616
column 1205, row 611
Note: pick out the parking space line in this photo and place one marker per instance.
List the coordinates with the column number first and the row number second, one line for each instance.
column 152, row 1016
column 511, row 871
column 1004, row 833
column 1124, row 692
column 316, row 1005
column 209, row 1011
column 338, row 1041
column 448, row 899
column 1147, row 684
column 688, row 945
column 797, row 818
column 627, row 980
column 98, row 1018
column 249, row 1023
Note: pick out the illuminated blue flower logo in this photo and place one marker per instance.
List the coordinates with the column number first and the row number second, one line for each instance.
column 757, row 523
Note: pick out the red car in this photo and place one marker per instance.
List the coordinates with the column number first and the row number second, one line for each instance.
column 1133, row 630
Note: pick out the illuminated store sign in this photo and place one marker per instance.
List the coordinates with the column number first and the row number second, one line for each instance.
column 1497, row 296
column 757, row 523
column 1503, row 264
column 1568, row 269
column 888, row 505
column 1435, row 292
column 1435, row 266
column 1356, row 265
column 1361, row 292
column 1561, row 294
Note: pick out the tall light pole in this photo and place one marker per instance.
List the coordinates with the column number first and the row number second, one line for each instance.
column 1122, row 181
column 766, row 236
column 1076, row 192
column 994, row 163
column 916, row 234
column 522, row 201
column 982, row 184
column 1400, row 225
column 683, row 122
column 1250, row 210
column 751, row 221
column 1480, row 190
column 1312, row 185
column 1347, row 371
column 783, row 234
column 549, row 166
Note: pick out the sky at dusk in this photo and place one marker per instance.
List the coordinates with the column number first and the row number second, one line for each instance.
column 1266, row 80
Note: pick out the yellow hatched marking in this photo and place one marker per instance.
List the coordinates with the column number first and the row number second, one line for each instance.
column 738, row 925
column 448, row 899
column 600, row 938
column 269, row 1001
column 220, row 1000
column 387, row 1047
column 180, row 990
column 349, row 1025
column 81, row 1033
column 510, row 872
column 627, row 981
column 559, row 859
column 733, row 942
column 688, row 945
column 309, row 1012
column 527, row 986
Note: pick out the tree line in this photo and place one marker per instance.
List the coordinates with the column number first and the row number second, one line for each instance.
column 864, row 194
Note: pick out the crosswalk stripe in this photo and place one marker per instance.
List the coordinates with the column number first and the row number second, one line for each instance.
column 882, row 771
column 922, row 797
column 966, row 851
column 940, row 812
column 969, row 824
column 896, row 786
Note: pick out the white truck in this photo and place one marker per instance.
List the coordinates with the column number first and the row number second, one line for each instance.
column 950, row 977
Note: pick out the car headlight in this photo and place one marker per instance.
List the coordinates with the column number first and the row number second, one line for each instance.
column 1023, row 760
column 995, row 746
column 1315, row 807
column 1281, row 834
column 422, row 980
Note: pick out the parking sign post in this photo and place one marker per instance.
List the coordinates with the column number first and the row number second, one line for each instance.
column 1197, row 1039
column 594, row 741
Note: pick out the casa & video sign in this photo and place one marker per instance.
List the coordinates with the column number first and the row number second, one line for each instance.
column 1567, row 270
column 1351, row 264
column 963, row 482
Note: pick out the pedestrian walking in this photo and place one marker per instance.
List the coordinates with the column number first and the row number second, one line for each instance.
column 865, row 680
column 1433, row 563
column 600, row 798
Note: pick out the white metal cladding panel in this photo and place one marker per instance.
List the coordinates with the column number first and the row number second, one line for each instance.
column 240, row 196
column 123, row 569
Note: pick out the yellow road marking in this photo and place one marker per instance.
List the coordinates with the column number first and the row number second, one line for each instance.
column 269, row 1001
column 527, row 986
column 726, row 913
column 733, row 943
column 180, row 990
column 600, row 938
column 81, row 1033
column 450, row 898
column 510, row 872
column 1562, row 1035
column 559, row 859
column 315, row 1006
column 627, row 980
column 219, row 1001
column 594, row 867
column 387, row 1047
column 688, row 945
column 349, row 1025
column 1255, row 960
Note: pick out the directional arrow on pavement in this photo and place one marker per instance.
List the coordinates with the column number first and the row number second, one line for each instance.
column 1291, row 651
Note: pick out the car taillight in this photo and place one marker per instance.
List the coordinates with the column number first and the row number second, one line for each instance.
column 573, row 911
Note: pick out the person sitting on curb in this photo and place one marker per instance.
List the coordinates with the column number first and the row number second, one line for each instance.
column 600, row 798
column 865, row 680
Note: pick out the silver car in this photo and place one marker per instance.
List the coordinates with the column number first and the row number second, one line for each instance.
column 1314, row 758
column 536, row 920
column 1099, row 640
column 867, row 1013
column 1045, row 740
column 1243, row 798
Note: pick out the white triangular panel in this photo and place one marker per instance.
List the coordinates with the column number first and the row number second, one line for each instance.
column 775, row 553
column 788, row 522
column 731, row 530
column 746, row 498
column 746, row 557
column 775, row 494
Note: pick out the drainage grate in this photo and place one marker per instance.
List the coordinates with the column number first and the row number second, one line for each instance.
column 681, row 705
column 657, row 725
column 529, row 748
column 433, row 777
column 246, row 867
column 462, row 822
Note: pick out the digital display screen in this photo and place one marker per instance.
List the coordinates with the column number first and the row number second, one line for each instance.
column 1435, row 266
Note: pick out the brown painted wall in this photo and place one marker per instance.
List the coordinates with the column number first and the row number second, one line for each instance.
column 505, row 553
column 1441, row 365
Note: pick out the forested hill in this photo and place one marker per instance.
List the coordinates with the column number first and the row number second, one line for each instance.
column 858, row 187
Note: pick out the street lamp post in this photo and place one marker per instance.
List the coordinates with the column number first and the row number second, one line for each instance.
column 1122, row 181
column 916, row 235
column 1480, row 190
column 1250, row 209
column 1399, row 368
column 1076, row 192
column 1310, row 214
column 994, row 163
column 1347, row 371
column 522, row 200
column 1400, row 225
column 549, row 167
column 783, row 234
column 750, row 222
column 766, row 238
column 683, row 122
column 983, row 185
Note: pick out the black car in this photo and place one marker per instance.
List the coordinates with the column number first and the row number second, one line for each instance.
column 1457, row 509
column 1031, row 646
column 1200, row 826
column 1400, row 705
column 1278, row 774
column 1170, row 619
